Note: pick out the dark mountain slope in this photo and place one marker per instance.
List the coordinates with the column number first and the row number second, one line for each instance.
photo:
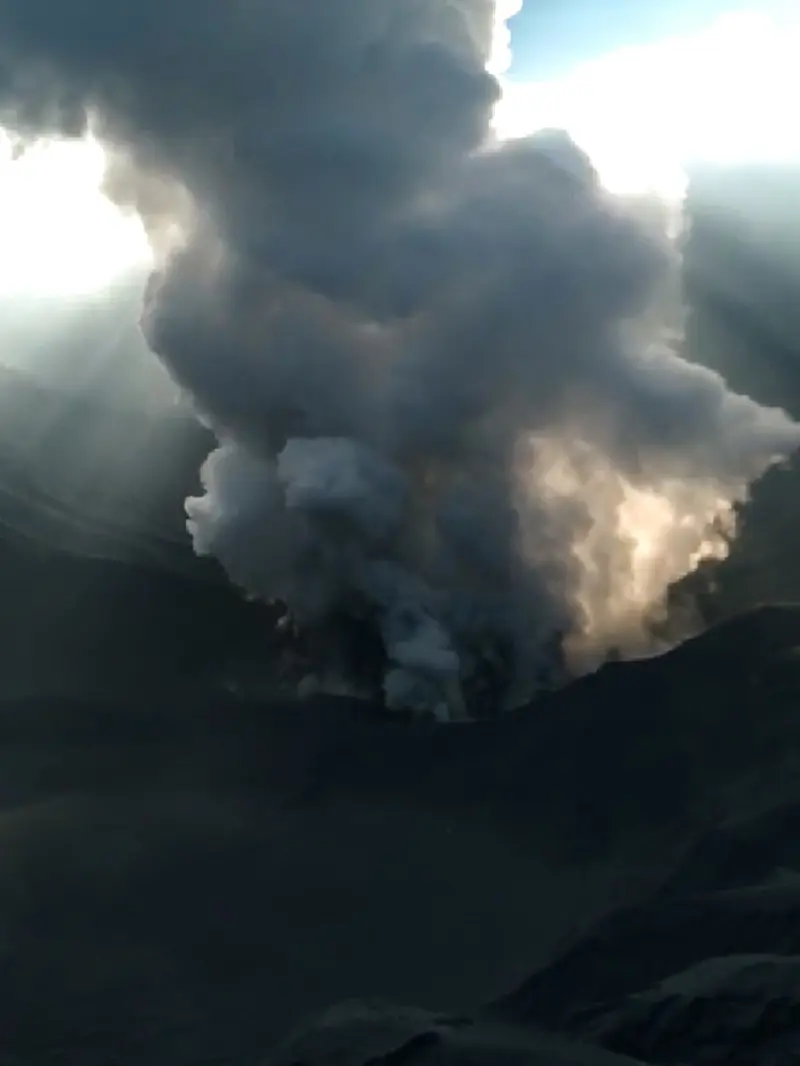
column 212, row 868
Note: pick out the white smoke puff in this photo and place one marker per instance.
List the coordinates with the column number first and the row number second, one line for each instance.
column 270, row 550
column 269, row 520
column 242, row 494
column 425, row 648
column 406, row 690
column 424, row 666
column 340, row 477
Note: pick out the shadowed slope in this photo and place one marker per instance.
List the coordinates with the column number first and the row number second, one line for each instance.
column 263, row 860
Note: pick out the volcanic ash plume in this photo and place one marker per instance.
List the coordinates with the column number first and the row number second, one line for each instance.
column 447, row 410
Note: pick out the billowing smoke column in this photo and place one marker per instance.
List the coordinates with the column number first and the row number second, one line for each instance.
column 446, row 403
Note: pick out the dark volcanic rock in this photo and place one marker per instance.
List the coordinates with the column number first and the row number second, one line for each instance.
column 645, row 945
column 92, row 628
column 737, row 1010
column 706, row 971
column 371, row 1034
column 262, row 860
column 741, row 852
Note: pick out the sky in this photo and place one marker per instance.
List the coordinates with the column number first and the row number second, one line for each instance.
column 59, row 234
column 720, row 92
column 647, row 88
column 552, row 37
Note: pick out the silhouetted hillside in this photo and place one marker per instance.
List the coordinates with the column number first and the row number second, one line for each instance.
column 186, row 875
column 86, row 476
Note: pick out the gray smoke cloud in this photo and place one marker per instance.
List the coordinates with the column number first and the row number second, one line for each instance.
column 441, row 369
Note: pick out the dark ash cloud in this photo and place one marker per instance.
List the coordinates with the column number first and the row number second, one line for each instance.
column 438, row 367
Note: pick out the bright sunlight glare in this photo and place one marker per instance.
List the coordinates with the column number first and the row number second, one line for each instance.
column 726, row 95
column 59, row 235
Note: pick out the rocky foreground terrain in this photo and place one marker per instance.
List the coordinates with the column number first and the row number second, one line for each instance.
column 194, row 876
column 662, row 801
